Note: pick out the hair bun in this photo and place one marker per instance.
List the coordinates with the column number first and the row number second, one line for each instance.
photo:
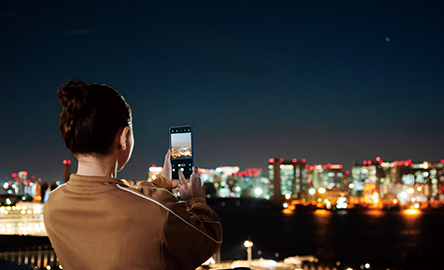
column 74, row 98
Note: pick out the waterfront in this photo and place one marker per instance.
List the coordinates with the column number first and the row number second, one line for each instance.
column 404, row 239
column 395, row 239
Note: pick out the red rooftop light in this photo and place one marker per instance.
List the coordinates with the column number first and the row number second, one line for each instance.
column 281, row 160
column 14, row 175
column 364, row 162
column 303, row 160
column 271, row 160
column 295, row 160
column 347, row 172
column 378, row 158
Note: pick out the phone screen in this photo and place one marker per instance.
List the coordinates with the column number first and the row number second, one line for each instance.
column 181, row 145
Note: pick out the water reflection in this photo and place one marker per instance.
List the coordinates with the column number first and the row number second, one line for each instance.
column 322, row 212
column 375, row 212
column 412, row 213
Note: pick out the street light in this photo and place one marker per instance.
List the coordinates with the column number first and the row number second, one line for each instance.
column 248, row 245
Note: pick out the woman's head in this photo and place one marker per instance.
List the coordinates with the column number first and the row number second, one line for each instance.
column 92, row 115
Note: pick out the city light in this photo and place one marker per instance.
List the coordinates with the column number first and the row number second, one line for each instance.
column 322, row 190
column 248, row 244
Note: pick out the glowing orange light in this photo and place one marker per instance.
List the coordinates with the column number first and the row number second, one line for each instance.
column 322, row 212
column 411, row 212
column 375, row 212
column 287, row 211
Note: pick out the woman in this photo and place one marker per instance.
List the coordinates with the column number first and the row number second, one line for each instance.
column 97, row 221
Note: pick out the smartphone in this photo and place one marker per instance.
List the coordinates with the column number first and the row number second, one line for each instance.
column 182, row 156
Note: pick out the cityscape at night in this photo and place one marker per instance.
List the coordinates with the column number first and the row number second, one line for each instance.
column 288, row 187
column 317, row 125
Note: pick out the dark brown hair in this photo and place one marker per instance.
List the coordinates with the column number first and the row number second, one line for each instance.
column 92, row 114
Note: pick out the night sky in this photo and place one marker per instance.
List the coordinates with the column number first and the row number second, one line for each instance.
column 329, row 81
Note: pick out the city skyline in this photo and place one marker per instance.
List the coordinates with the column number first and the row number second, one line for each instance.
column 332, row 82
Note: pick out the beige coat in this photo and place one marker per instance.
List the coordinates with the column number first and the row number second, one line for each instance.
column 102, row 223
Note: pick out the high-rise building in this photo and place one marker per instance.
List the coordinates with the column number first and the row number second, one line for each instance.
column 289, row 177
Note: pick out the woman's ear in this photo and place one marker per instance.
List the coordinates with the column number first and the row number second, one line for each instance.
column 122, row 138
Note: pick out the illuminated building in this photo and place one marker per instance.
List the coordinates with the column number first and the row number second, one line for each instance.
column 66, row 170
column 401, row 180
column 231, row 182
column 154, row 171
column 326, row 175
column 289, row 177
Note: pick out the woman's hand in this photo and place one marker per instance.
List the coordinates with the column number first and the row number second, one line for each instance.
column 167, row 173
column 191, row 188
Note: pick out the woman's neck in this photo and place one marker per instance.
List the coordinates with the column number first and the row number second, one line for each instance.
column 97, row 165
